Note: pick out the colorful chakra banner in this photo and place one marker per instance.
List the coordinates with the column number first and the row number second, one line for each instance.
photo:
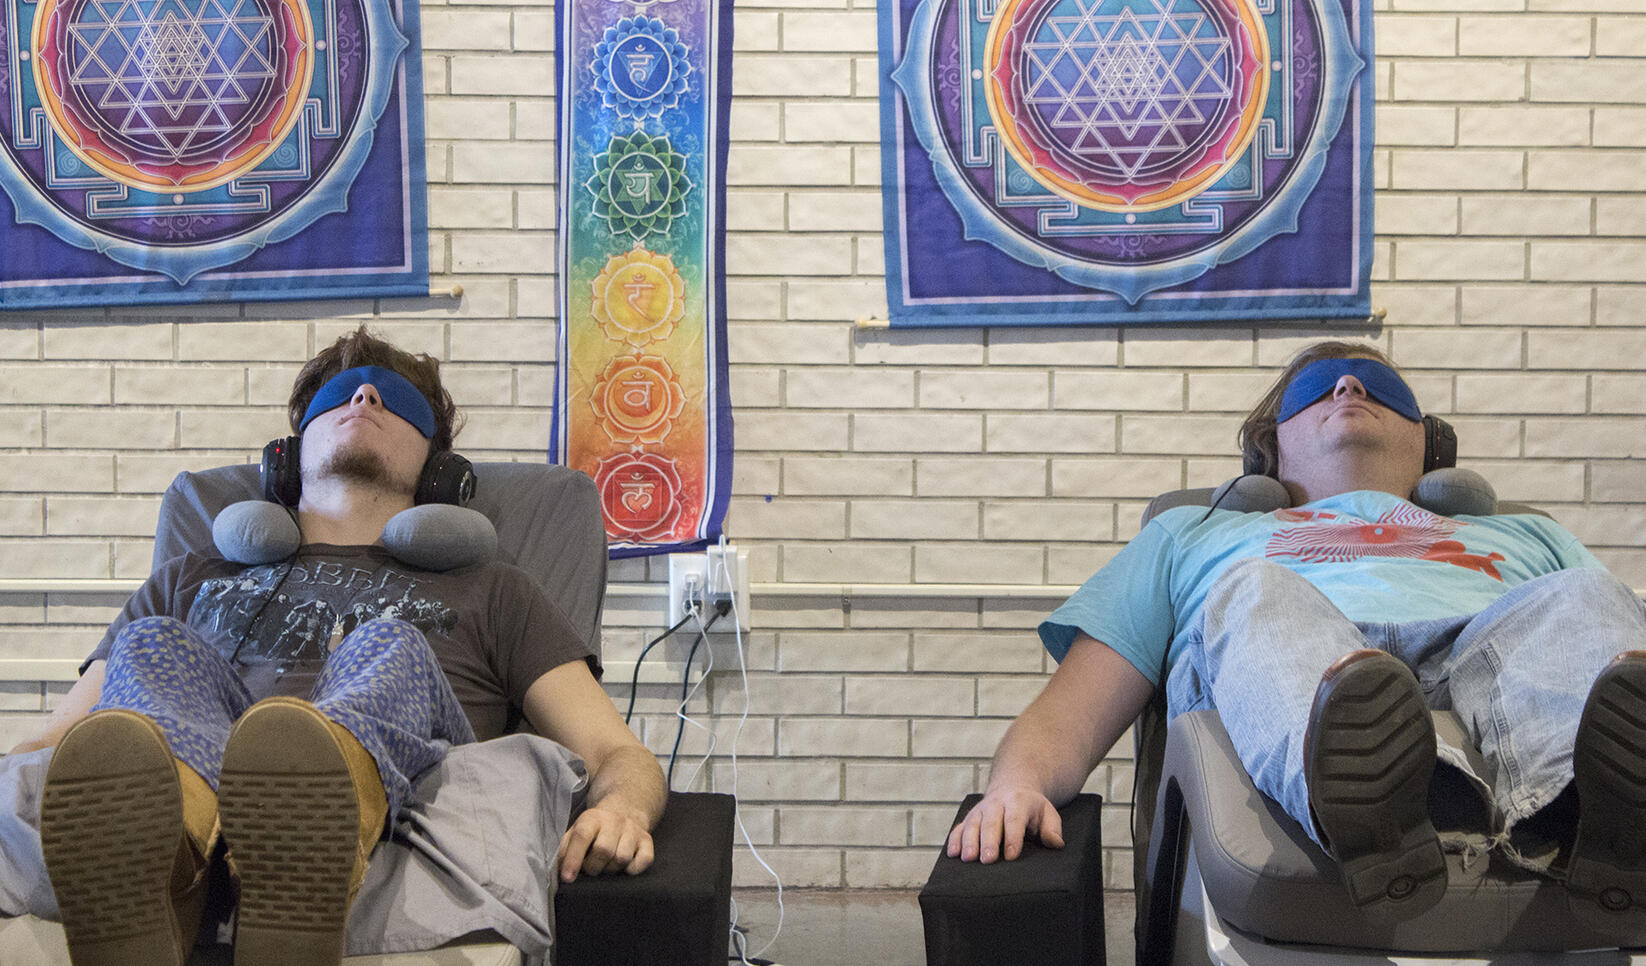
column 188, row 150
column 641, row 402
column 1126, row 161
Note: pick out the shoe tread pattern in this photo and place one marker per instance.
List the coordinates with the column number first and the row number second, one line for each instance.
column 1372, row 755
column 291, row 821
column 1606, row 884
column 111, row 824
column 294, row 840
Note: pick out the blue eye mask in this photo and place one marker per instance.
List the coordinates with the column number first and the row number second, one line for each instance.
column 398, row 394
column 1319, row 378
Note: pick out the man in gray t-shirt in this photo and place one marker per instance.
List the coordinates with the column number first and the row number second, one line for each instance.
column 184, row 724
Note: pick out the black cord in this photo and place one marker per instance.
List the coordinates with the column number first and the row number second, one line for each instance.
column 634, row 684
column 1220, row 498
column 721, row 609
column 685, row 689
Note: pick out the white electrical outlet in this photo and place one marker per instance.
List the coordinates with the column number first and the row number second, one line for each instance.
column 707, row 578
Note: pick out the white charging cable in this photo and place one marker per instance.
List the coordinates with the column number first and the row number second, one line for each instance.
column 743, row 717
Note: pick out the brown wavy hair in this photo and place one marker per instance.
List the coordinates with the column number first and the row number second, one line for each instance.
column 361, row 348
column 1257, row 434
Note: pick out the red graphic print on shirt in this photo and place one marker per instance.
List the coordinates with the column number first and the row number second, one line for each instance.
column 1405, row 531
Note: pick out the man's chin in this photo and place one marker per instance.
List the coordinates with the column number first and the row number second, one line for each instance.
column 365, row 468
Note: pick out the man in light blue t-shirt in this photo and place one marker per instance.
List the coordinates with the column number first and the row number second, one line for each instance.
column 1324, row 633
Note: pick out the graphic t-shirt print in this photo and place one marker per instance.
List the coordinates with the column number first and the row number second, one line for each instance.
column 296, row 613
column 1406, row 531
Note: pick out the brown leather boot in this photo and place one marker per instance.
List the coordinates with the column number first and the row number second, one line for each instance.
column 302, row 806
column 130, row 883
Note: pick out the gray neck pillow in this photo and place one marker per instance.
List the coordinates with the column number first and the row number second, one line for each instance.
column 1449, row 492
column 433, row 536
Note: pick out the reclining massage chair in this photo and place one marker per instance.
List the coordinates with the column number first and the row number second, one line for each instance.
column 1224, row 876
column 548, row 521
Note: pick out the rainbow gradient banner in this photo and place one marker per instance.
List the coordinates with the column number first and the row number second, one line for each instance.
column 641, row 401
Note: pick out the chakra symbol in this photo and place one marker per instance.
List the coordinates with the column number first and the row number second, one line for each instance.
column 639, row 495
column 173, row 95
column 639, row 297
column 637, row 399
column 1127, row 105
column 639, row 185
column 640, row 68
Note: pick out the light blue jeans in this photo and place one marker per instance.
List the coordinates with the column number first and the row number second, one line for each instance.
column 1517, row 675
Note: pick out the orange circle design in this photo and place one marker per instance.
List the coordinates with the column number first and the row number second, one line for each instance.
column 138, row 156
column 639, row 297
column 637, row 399
column 1002, row 48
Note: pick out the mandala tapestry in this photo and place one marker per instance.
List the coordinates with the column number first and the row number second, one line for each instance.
column 191, row 150
column 641, row 403
column 1125, row 161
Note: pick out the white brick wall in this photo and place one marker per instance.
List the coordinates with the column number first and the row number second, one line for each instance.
column 1511, row 213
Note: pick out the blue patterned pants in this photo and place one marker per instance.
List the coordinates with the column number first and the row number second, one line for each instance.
column 382, row 683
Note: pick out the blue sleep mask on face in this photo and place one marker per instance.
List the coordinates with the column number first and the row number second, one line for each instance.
column 1317, row 380
column 398, row 394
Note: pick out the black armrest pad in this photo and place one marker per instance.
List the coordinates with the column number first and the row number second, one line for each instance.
column 677, row 911
column 1038, row 869
column 1046, row 905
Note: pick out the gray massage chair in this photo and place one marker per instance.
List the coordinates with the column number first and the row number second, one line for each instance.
column 1224, row 876
column 548, row 522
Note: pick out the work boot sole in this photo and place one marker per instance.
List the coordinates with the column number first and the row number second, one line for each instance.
column 111, row 822
column 1606, row 880
column 1368, row 756
column 291, row 820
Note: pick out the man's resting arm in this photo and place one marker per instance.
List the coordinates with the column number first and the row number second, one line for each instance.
column 626, row 787
column 1049, row 751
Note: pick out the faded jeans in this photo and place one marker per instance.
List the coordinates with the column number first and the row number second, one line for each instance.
column 1516, row 674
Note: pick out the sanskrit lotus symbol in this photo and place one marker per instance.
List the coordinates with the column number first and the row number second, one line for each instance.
column 640, row 495
column 639, row 185
column 637, row 399
column 639, row 297
column 640, row 68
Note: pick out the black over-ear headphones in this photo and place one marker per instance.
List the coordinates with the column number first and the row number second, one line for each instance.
column 1439, row 450
column 446, row 477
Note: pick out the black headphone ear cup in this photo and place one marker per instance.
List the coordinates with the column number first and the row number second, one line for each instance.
column 281, row 471
column 446, row 478
column 1439, row 444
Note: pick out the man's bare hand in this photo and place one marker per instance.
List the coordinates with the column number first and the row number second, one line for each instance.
column 996, row 827
column 605, row 839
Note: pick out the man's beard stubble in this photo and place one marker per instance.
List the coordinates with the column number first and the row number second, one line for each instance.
column 363, row 467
